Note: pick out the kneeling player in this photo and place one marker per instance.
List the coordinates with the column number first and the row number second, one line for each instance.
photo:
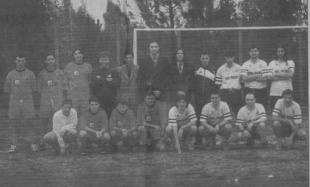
column 215, row 119
column 64, row 132
column 94, row 126
column 123, row 126
column 182, row 123
column 287, row 120
column 151, row 122
column 251, row 120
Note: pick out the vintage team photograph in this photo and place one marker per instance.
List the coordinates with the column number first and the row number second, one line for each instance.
column 154, row 93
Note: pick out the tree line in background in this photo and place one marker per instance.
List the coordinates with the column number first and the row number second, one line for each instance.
column 39, row 27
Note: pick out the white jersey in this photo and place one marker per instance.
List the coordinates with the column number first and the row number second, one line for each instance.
column 228, row 78
column 253, row 68
column 246, row 114
column 179, row 119
column 277, row 87
column 211, row 114
column 291, row 112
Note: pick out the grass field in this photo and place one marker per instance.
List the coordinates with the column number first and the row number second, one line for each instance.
column 236, row 167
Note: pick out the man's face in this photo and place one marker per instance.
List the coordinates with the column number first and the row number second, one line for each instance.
column 78, row 56
column 181, row 104
column 129, row 59
column 66, row 109
column 215, row 99
column 94, row 106
column 254, row 53
column 154, row 48
column 104, row 61
column 229, row 60
column 250, row 100
column 122, row 108
column 20, row 62
column 149, row 100
column 180, row 55
column 204, row 59
column 280, row 52
column 288, row 99
column 50, row 60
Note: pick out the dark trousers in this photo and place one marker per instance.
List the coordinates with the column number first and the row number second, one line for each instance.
column 107, row 104
column 200, row 101
column 233, row 98
column 260, row 95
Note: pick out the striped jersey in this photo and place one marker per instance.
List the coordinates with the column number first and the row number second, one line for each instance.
column 179, row 119
column 253, row 68
column 277, row 87
column 213, row 115
column 20, row 84
column 78, row 77
column 228, row 78
column 292, row 112
column 51, row 84
column 246, row 114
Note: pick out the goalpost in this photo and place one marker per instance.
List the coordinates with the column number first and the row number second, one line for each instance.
column 216, row 39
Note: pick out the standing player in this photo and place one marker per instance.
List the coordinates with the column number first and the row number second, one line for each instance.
column 78, row 75
column 251, row 120
column 287, row 120
column 215, row 119
column 20, row 84
column 182, row 123
column 123, row 125
column 254, row 75
column 150, row 121
column 228, row 79
column 51, row 84
column 202, row 86
column 128, row 89
column 105, row 82
column 64, row 134
column 280, row 72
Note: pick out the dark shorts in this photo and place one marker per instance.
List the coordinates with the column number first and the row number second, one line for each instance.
column 233, row 98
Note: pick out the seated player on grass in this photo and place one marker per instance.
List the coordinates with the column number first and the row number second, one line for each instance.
column 123, row 126
column 215, row 119
column 182, row 123
column 287, row 120
column 150, row 120
column 64, row 134
column 251, row 120
column 94, row 127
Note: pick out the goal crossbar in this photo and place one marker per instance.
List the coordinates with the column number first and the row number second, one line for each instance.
column 205, row 29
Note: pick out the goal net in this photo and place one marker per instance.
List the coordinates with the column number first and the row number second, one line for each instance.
column 237, row 39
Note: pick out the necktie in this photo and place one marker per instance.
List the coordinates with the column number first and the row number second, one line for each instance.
column 180, row 68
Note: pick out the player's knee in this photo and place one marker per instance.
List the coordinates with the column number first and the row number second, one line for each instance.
column 141, row 129
column 193, row 129
column 106, row 136
column 201, row 129
column 262, row 125
column 169, row 130
column 73, row 133
column 246, row 134
column 135, row 134
column 113, row 133
column 276, row 124
column 228, row 127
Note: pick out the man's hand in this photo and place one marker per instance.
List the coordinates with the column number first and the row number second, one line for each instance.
column 98, row 134
column 217, row 128
column 250, row 125
column 180, row 133
column 62, row 150
column 156, row 93
column 294, row 127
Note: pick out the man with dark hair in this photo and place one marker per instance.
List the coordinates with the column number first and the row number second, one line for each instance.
column 94, row 126
column 128, row 89
column 105, row 82
column 64, row 134
column 20, row 84
column 287, row 120
column 78, row 75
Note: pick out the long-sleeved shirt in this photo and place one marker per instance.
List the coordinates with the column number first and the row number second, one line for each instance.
column 123, row 121
column 62, row 122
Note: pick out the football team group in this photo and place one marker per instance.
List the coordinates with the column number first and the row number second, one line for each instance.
column 155, row 105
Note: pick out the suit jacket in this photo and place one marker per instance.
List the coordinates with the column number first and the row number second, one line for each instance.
column 180, row 81
column 155, row 76
column 128, row 89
